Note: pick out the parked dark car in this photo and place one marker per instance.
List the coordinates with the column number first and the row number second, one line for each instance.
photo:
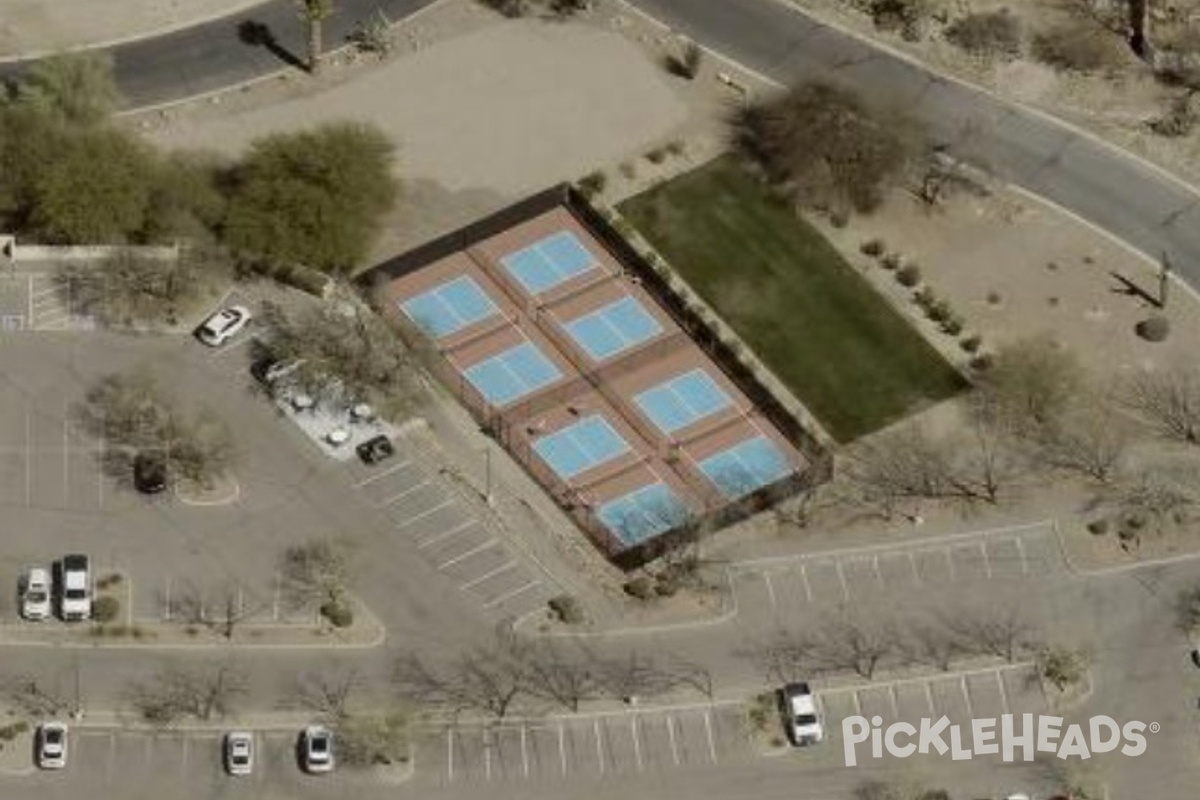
column 376, row 449
column 149, row 473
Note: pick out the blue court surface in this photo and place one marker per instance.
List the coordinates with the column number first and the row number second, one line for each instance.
column 643, row 513
column 682, row 400
column 512, row 374
column 745, row 467
column 613, row 328
column 580, row 446
column 450, row 307
column 548, row 262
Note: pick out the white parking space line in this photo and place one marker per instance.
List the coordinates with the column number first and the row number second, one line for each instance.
column 446, row 534
column 949, row 562
column 392, row 470
column 766, row 576
column 857, row 702
column 450, row 755
column 495, row 601
column 66, row 456
column 929, row 700
column 474, row 551
column 562, row 748
column 1021, row 553
column 525, row 750
column 444, row 504
column 488, row 743
column 671, row 739
column 1004, row 704
column 599, row 745
column 112, row 757
column 895, row 704
column 837, row 562
column 403, row 494
column 637, row 741
column 149, row 750
column 183, row 764
column 808, row 592
column 28, row 456
column 878, row 574
column 967, row 697
column 912, row 562
column 987, row 562
column 491, row 573
column 708, row 731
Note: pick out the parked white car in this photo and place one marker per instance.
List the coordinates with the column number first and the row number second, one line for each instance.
column 35, row 593
column 51, row 745
column 316, row 749
column 75, row 591
column 800, row 709
column 223, row 325
column 239, row 752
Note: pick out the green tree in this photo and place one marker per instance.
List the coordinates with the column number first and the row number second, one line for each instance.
column 186, row 200
column 77, row 88
column 315, row 12
column 29, row 140
column 315, row 198
column 95, row 190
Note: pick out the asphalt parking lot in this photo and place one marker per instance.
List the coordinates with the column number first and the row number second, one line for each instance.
column 1001, row 556
column 585, row 746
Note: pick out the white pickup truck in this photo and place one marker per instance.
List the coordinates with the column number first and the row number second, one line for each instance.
column 75, row 598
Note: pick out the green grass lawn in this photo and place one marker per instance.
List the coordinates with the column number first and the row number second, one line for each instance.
column 842, row 350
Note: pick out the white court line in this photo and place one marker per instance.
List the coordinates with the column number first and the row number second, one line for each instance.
column 708, row 731
column 445, row 503
column 671, row 738
column 770, row 588
column 446, row 534
column 1021, row 552
column 808, row 592
column 599, row 745
column 450, row 755
column 637, row 741
column 562, row 748
column 472, row 552
column 403, row 494
column 509, row 595
column 487, row 575
column 378, row 475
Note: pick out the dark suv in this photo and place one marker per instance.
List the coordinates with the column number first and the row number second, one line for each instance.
column 150, row 473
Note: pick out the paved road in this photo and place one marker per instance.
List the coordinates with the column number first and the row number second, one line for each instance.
column 213, row 55
column 1135, row 203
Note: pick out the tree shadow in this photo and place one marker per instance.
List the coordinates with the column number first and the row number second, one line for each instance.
column 259, row 34
column 1127, row 286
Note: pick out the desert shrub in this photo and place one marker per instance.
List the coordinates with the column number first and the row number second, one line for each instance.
column 593, row 183
column 566, row 609
column 675, row 147
column 872, row 247
column 994, row 298
column 640, row 587
column 924, row 297
column 982, row 362
column 987, row 33
column 666, row 584
column 105, row 608
column 1098, row 527
column 953, row 325
column 939, row 311
column 905, row 16
column 971, row 343
column 891, row 261
column 657, row 155
column 339, row 614
column 908, row 275
column 1080, row 47
column 1153, row 329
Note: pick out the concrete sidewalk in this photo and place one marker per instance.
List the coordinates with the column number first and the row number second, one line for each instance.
column 31, row 28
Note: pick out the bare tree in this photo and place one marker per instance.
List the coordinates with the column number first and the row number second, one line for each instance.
column 931, row 641
column 784, row 657
column 856, row 642
column 1091, row 440
column 1063, row 666
column 1162, row 494
column 688, row 672
column 326, row 691
column 1032, row 381
column 199, row 692
column 343, row 347
column 372, row 739
column 315, row 571
column 488, row 680
column 1187, row 610
column 1002, row 630
column 1167, row 400
column 554, row 675
column 201, row 447
column 31, row 695
column 633, row 675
